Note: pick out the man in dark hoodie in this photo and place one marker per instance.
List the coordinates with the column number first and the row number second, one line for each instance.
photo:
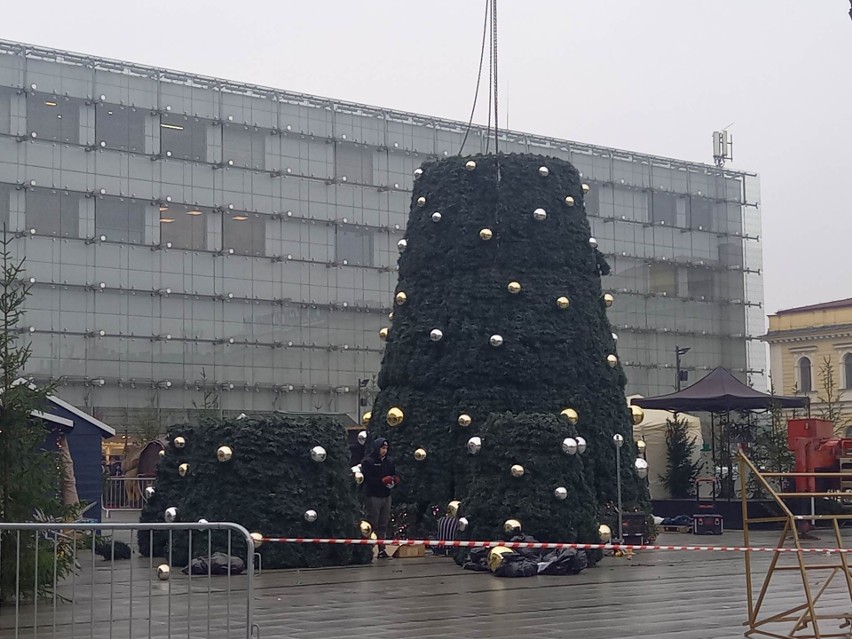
column 379, row 479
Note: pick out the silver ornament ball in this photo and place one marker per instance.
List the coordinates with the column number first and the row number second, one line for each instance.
column 569, row 446
column 362, row 437
column 436, row 217
column 593, row 242
column 496, row 340
column 543, row 171
column 474, row 445
column 318, row 454
column 417, row 173
column 618, row 440
column 171, row 514
column 310, row 516
column 561, row 493
column 402, row 245
column 641, row 468
column 581, row 445
column 149, row 492
column 539, row 215
column 436, row 334
column 463, row 524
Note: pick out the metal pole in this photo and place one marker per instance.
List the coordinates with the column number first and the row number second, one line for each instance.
column 677, row 368
column 618, row 484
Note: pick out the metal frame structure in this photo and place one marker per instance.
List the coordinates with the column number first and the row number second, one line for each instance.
column 806, row 617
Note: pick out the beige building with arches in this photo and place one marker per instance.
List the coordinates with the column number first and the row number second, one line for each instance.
column 801, row 340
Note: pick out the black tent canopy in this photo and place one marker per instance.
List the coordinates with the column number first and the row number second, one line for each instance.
column 719, row 392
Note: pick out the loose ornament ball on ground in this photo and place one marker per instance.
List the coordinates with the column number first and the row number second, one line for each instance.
column 163, row 572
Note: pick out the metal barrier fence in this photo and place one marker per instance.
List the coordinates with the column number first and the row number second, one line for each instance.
column 53, row 583
column 124, row 493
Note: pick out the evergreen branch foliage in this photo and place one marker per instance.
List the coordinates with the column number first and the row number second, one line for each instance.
column 267, row 486
column 29, row 470
column 551, row 358
column 681, row 470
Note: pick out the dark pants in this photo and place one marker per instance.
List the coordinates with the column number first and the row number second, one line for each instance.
column 378, row 514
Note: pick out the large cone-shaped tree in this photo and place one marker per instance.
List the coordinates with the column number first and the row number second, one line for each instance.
column 499, row 308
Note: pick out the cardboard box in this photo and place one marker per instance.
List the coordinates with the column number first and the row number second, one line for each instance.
column 405, row 552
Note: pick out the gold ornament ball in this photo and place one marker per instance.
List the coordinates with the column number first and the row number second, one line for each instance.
column 569, row 201
column 383, row 333
column 570, row 415
column 563, row 302
column 517, row 470
column 163, row 572
column 366, row 417
column 257, row 538
column 485, row 234
column 586, row 188
column 373, row 536
column 224, row 453
column 465, row 420
column 420, row 454
column 400, row 298
column 365, row 528
column 359, row 477
column 390, row 316
column 179, row 442
column 470, row 165
column 496, row 556
column 605, row 533
column 608, row 299
column 512, row 526
column 421, row 201
column 611, row 360
column 162, row 452
column 637, row 415
column 183, row 469
column 641, row 445
column 395, row 416
column 514, row 288
column 453, row 508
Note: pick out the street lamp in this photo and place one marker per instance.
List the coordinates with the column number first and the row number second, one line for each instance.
column 682, row 376
column 618, row 440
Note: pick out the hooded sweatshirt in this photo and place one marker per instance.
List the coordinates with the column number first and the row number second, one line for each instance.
column 375, row 469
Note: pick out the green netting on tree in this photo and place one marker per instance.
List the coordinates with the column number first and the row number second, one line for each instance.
column 267, row 486
column 477, row 225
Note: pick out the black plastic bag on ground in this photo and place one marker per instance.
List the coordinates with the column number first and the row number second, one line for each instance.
column 477, row 559
column 529, row 553
column 567, row 561
column 516, row 565
column 218, row 564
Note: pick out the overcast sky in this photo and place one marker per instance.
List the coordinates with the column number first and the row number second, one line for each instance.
column 655, row 76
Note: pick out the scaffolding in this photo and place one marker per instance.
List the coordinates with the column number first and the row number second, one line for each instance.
column 818, row 572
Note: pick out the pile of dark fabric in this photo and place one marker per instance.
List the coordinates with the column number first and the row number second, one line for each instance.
column 111, row 549
column 528, row 562
column 217, row 564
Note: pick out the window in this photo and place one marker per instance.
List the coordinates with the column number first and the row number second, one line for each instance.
column 805, row 383
column 52, row 212
column 354, row 163
column 244, row 145
column 120, row 219
column 592, row 199
column 700, row 214
column 5, row 204
column 244, row 232
column 54, row 117
column 847, row 370
column 120, row 127
column 700, row 282
column 664, row 279
column 184, row 137
column 6, row 96
column 354, row 246
column 184, row 226
column 664, row 208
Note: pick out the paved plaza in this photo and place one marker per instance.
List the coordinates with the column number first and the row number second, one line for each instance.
column 660, row 594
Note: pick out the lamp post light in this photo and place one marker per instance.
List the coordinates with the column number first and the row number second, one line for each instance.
column 362, row 400
column 681, row 376
column 618, row 440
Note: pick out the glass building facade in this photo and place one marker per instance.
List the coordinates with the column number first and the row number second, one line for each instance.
column 198, row 242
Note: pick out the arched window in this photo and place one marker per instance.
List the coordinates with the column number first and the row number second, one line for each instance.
column 847, row 370
column 805, row 383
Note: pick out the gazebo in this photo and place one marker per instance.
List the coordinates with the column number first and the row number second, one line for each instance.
column 719, row 393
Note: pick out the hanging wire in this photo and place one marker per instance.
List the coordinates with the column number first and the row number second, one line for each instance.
column 478, row 74
column 490, row 85
column 494, row 64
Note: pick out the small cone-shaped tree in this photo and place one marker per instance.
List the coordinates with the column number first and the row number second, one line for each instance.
column 267, row 479
column 499, row 307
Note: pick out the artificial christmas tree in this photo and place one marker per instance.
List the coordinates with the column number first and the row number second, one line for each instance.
column 499, row 308
column 281, row 476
